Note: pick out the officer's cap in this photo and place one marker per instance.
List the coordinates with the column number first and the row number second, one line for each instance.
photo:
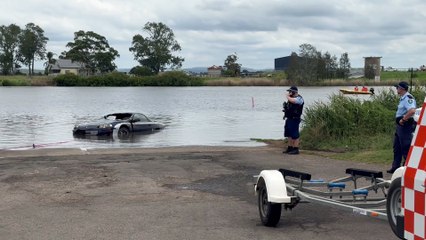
column 403, row 85
column 292, row 89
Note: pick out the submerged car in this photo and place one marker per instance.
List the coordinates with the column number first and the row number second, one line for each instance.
column 122, row 124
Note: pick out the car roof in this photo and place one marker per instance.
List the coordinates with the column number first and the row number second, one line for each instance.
column 124, row 114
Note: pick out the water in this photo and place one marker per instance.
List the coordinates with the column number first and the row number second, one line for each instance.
column 214, row 116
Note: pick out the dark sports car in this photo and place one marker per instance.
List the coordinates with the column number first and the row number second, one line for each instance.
column 122, row 124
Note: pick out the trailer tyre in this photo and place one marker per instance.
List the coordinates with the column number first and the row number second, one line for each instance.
column 270, row 213
column 393, row 204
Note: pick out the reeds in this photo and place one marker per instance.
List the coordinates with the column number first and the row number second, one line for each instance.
column 353, row 124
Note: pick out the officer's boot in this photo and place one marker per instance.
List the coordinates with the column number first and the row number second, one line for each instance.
column 294, row 151
column 289, row 149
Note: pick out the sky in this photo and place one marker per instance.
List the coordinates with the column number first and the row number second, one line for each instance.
column 258, row 31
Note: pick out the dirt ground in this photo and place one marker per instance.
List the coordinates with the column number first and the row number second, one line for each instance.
column 164, row 193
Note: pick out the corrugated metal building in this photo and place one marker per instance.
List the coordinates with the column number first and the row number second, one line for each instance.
column 282, row 63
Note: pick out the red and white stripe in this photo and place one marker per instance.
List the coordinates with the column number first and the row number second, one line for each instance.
column 413, row 185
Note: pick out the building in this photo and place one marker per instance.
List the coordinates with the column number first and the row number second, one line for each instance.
column 214, row 71
column 282, row 63
column 373, row 64
column 64, row 66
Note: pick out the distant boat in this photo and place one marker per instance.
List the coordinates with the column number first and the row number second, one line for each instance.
column 352, row 91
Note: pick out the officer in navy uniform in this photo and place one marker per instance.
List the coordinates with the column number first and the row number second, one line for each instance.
column 293, row 112
column 404, row 125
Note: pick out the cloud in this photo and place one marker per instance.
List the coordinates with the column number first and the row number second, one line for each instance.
column 259, row 31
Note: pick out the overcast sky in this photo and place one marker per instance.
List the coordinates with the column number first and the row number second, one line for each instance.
column 257, row 30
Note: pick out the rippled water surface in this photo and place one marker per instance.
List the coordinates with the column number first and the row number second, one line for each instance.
column 220, row 116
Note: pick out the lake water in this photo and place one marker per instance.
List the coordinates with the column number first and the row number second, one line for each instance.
column 214, row 116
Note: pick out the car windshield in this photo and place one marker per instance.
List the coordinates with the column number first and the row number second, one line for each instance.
column 121, row 116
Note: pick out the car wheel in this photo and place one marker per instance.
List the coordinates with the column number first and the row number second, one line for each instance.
column 123, row 132
column 270, row 213
column 394, row 204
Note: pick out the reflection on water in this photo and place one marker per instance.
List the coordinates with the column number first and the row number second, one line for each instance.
column 131, row 138
column 227, row 116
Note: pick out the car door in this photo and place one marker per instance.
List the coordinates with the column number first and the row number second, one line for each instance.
column 141, row 123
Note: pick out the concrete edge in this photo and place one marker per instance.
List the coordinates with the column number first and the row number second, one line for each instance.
column 37, row 152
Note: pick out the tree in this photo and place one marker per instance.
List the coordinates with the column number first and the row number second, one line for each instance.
column 293, row 70
column 330, row 65
column 9, row 40
column 344, row 66
column 311, row 65
column 32, row 46
column 49, row 62
column 321, row 65
column 232, row 67
column 93, row 51
column 156, row 50
column 308, row 63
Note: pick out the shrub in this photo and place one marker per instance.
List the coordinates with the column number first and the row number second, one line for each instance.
column 141, row 71
column 14, row 82
column 174, row 78
column 177, row 78
column 120, row 79
column 353, row 124
column 114, row 79
column 68, row 80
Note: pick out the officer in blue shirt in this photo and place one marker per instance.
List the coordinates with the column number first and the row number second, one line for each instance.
column 293, row 111
column 404, row 125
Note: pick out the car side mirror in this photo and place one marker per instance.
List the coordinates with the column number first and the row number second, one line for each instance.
column 135, row 120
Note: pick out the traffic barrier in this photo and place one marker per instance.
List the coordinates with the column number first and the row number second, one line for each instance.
column 413, row 192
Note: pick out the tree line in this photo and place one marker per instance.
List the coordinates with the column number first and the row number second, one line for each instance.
column 154, row 52
column 311, row 65
column 21, row 47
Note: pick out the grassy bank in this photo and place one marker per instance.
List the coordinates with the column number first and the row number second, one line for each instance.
column 384, row 155
column 181, row 79
column 348, row 128
column 23, row 80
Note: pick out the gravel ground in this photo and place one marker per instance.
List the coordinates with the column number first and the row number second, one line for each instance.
column 164, row 193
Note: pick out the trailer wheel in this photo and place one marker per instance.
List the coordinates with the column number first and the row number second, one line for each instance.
column 393, row 204
column 270, row 213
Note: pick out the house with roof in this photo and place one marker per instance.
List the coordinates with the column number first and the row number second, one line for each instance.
column 214, row 71
column 64, row 66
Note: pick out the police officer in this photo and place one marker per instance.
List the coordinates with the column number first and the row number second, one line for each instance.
column 293, row 113
column 404, row 125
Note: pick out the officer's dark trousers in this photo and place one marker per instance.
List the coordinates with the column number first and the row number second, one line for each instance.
column 401, row 144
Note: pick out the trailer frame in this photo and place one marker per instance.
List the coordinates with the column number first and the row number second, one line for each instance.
column 284, row 188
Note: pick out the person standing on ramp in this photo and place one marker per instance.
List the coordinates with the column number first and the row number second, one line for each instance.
column 292, row 114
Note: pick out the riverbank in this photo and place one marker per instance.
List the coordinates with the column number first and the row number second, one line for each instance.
column 388, row 79
column 164, row 193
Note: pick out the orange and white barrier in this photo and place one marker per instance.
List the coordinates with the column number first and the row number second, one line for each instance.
column 413, row 184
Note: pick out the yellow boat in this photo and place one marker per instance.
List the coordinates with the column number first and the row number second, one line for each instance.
column 352, row 91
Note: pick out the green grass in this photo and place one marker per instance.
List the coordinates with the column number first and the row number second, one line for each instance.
column 403, row 75
column 379, row 155
column 352, row 129
column 266, row 79
column 23, row 80
column 14, row 81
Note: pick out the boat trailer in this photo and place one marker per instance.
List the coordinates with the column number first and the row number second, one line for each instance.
column 283, row 188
